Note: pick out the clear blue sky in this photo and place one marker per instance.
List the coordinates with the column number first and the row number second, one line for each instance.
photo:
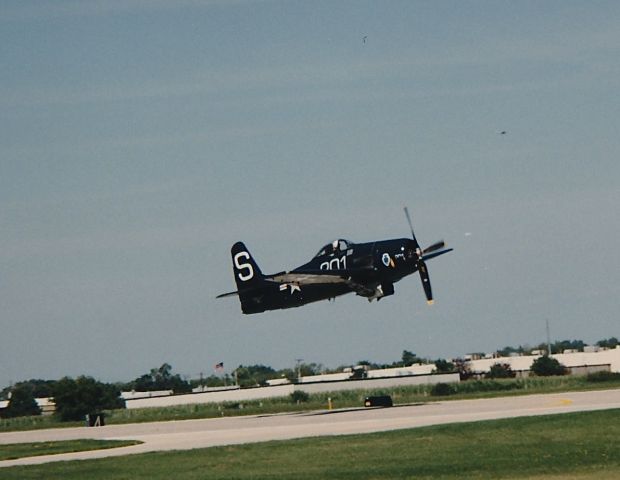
column 140, row 140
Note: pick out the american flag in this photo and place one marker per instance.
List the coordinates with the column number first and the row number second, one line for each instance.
column 219, row 367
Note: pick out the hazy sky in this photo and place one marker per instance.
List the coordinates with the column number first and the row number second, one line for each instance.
column 140, row 139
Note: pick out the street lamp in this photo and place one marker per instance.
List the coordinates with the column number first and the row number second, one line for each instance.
column 299, row 360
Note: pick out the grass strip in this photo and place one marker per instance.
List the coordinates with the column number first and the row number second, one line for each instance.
column 575, row 445
column 13, row 451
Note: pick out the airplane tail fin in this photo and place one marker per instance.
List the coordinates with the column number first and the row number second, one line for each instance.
column 251, row 283
column 253, row 288
column 247, row 273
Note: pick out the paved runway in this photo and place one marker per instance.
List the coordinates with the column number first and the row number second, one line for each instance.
column 189, row 434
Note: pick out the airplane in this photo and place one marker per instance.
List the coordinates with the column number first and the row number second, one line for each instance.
column 340, row 267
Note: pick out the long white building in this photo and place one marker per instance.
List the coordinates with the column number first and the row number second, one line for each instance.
column 605, row 359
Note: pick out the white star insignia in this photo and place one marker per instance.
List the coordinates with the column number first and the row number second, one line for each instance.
column 294, row 287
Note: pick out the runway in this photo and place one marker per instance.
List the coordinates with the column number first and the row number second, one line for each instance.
column 190, row 434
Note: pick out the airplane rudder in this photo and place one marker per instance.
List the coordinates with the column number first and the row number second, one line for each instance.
column 247, row 272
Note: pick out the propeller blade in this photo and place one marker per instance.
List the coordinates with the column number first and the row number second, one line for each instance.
column 435, row 246
column 411, row 228
column 420, row 265
column 426, row 282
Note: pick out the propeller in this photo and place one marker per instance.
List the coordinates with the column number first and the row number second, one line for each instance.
column 435, row 246
column 420, row 264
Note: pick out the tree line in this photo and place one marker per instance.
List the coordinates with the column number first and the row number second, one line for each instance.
column 74, row 398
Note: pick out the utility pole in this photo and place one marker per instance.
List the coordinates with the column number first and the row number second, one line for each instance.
column 548, row 338
column 299, row 360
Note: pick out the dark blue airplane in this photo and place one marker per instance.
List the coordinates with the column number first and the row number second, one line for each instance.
column 368, row 269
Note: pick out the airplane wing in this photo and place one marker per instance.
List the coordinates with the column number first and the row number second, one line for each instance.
column 317, row 277
column 310, row 277
column 352, row 277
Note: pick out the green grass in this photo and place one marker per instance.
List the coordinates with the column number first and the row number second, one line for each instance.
column 19, row 450
column 342, row 399
column 578, row 445
column 34, row 423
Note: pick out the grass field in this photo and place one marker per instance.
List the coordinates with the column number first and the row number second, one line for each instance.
column 577, row 446
column 19, row 450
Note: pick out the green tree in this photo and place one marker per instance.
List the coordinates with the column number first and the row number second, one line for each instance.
column 443, row 366
column 40, row 388
column 22, row 402
column 409, row 358
column 507, row 351
column 161, row 379
column 253, row 375
column 500, row 370
column 611, row 342
column 310, row 369
column 560, row 346
column 546, row 366
column 75, row 398
column 212, row 381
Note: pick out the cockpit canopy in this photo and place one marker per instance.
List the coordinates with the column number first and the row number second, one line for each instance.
column 337, row 246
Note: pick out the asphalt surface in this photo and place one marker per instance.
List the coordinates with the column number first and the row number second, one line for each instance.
column 189, row 434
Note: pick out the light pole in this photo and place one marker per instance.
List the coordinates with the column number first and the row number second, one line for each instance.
column 299, row 360
column 548, row 339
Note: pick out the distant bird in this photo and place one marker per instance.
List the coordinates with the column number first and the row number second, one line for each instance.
column 503, row 132
column 364, row 38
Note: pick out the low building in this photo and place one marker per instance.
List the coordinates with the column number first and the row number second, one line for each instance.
column 578, row 363
column 47, row 405
column 350, row 373
column 133, row 395
column 204, row 388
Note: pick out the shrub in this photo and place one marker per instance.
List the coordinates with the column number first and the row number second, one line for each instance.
column 475, row 386
column 603, row 377
column 546, row 366
column 442, row 390
column 299, row 396
column 500, row 370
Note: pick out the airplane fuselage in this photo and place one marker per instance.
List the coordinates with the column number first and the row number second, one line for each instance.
column 378, row 265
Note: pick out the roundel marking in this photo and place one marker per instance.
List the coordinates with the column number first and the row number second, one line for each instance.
column 386, row 259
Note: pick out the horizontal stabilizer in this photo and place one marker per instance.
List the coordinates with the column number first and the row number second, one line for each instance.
column 229, row 294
